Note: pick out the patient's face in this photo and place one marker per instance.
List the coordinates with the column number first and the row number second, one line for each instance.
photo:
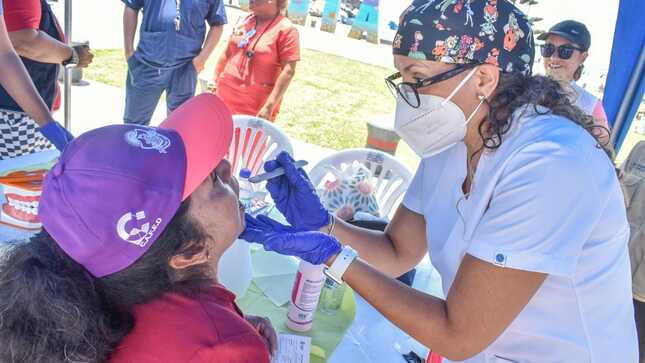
column 215, row 206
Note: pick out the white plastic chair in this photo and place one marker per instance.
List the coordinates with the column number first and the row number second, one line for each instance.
column 390, row 177
column 255, row 141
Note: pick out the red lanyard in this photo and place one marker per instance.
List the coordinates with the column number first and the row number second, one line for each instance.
column 251, row 52
column 244, row 66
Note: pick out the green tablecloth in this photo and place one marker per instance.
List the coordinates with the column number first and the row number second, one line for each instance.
column 276, row 273
column 327, row 332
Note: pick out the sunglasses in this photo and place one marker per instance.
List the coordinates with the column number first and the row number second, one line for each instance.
column 409, row 91
column 565, row 51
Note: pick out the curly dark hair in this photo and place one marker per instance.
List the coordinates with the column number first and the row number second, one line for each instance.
column 516, row 90
column 53, row 310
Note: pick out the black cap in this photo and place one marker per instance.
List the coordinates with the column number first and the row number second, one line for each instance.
column 573, row 31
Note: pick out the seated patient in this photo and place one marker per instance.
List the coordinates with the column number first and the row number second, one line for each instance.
column 135, row 221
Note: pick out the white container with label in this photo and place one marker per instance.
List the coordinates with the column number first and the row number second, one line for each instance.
column 304, row 296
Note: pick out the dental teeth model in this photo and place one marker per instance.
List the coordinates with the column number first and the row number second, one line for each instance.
column 20, row 205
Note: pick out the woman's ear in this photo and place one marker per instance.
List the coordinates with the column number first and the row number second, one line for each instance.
column 181, row 262
column 487, row 78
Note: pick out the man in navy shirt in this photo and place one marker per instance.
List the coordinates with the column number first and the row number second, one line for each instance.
column 171, row 51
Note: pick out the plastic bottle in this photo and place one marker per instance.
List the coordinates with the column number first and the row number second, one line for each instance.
column 304, row 296
column 331, row 297
column 247, row 190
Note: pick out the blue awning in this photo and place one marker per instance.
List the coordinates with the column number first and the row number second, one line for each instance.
column 626, row 78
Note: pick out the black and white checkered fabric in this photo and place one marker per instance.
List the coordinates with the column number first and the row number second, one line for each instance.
column 19, row 135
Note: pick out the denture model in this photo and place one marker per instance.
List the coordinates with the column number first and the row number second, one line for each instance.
column 22, row 191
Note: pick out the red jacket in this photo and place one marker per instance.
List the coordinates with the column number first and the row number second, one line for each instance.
column 177, row 329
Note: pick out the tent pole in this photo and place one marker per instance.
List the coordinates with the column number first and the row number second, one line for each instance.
column 68, row 72
column 628, row 99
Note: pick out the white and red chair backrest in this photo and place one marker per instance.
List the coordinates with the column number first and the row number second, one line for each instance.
column 255, row 141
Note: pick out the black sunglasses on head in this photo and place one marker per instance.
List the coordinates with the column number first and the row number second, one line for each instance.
column 565, row 51
column 409, row 91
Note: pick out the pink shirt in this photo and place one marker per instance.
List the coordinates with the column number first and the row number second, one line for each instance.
column 590, row 104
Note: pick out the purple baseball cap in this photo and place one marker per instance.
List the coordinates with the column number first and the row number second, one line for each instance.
column 116, row 188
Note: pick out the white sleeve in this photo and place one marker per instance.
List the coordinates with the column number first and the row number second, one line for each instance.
column 543, row 210
column 412, row 199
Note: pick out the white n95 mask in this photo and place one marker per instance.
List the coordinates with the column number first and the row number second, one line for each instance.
column 436, row 125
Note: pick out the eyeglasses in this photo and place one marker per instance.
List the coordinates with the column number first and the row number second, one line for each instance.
column 409, row 91
column 565, row 51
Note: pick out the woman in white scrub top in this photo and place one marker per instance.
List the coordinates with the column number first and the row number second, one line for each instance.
column 516, row 200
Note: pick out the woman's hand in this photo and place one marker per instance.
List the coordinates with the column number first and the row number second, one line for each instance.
column 313, row 247
column 266, row 331
column 199, row 63
column 295, row 196
column 266, row 112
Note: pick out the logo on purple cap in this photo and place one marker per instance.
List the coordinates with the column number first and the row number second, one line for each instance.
column 140, row 235
column 147, row 139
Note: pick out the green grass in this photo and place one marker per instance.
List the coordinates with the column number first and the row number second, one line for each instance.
column 108, row 67
column 327, row 103
column 331, row 98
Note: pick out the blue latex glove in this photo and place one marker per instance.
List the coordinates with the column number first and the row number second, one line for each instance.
column 295, row 196
column 313, row 247
column 56, row 134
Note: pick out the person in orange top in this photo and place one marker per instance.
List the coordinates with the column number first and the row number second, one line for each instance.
column 259, row 62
